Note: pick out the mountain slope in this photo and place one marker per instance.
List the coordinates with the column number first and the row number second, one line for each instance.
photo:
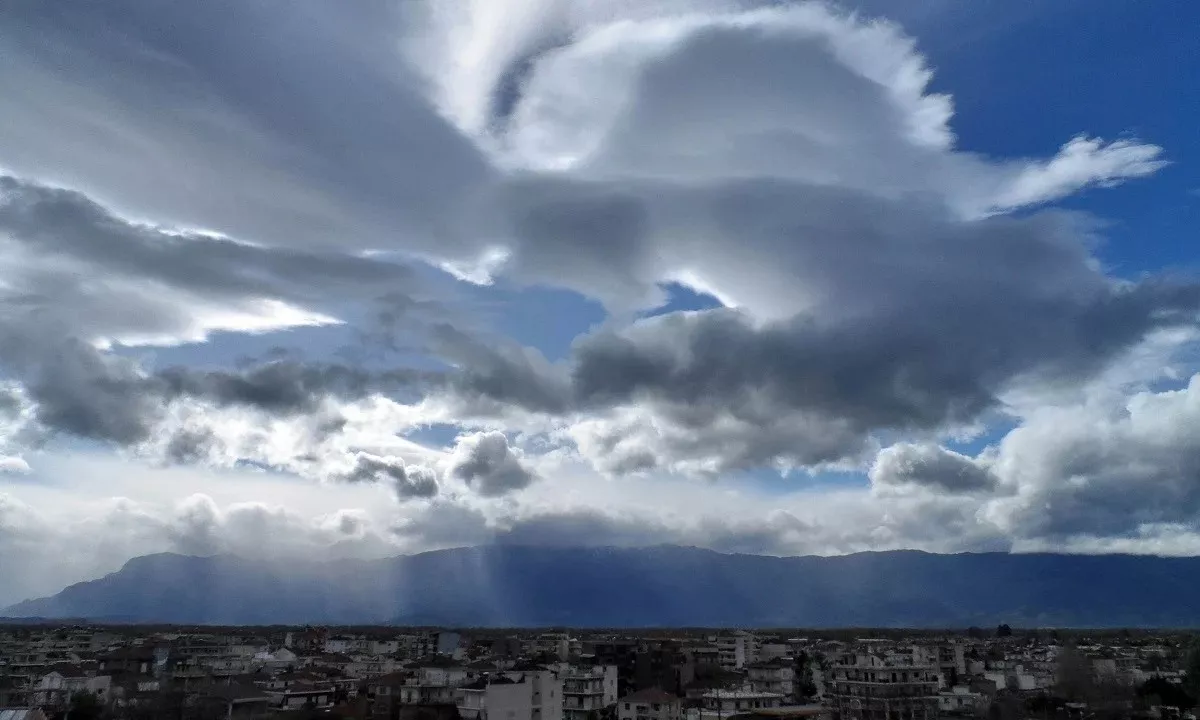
column 659, row 586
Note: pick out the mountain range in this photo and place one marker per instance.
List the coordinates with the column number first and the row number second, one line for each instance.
column 664, row 586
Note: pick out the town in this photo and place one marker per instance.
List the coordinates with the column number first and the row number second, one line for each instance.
column 81, row 672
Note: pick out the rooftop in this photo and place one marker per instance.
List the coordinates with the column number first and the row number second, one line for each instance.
column 651, row 695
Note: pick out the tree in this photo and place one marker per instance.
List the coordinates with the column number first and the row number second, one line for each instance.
column 1003, row 630
column 1074, row 677
column 952, row 677
column 1160, row 691
column 1191, row 669
column 85, row 706
column 1005, row 706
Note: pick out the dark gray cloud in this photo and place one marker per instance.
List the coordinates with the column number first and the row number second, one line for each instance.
column 287, row 386
column 488, row 465
column 888, row 339
column 78, row 274
column 408, row 481
column 48, row 227
column 930, row 467
column 488, row 377
column 191, row 445
column 79, row 390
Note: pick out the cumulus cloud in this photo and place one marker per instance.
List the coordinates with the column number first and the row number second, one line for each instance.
column 1109, row 467
column 930, row 467
column 488, row 465
column 408, row 480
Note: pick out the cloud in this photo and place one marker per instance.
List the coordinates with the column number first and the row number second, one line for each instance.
column 815, row 213
column 55, row 550
column 81, row 279
column 14, row 465
column 929, row 467
column 1082, row 162
column 807, row 178
column 1110, row 467
column 77, row 268
column 486, row 463
column 175, row 172
column 409, row 481
column 257, row 135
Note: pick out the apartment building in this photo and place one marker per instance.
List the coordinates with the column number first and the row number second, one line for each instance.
column 511, row 696
column 735, row 651
column 772, row 676
column 652, row 704
column 868, row 687
column 587, row 689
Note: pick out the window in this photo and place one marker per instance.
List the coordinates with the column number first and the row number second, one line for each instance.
column 656, row 707
column 626, row 706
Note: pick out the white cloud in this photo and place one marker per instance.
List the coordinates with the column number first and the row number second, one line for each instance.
column 1080, row 163
column 14, row 464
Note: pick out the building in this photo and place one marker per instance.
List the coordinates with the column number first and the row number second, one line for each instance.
column 498, row 698
column 949, row 658
column 447, row 642
column 587, row 689
column 556, row 645
column 21, row 713
column 773, row 676
column 959, row 700
column 299, row 695
column 723, row 703
column 652, row 704
column 545, row 688
column 55, row 688
column 775, row 650
column 138, row 660
column 236, row 701
column 735, row 651
column 621, row 652
column 866, row 687
column 664, row 665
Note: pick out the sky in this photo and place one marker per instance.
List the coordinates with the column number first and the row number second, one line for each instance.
column 311, row 280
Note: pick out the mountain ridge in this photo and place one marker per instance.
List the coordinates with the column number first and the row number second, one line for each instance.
column 664, row 585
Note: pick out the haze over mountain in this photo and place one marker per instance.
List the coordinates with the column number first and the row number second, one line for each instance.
column 655, row 586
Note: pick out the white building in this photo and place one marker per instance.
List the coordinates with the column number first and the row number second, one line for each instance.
column 55, row 688
column 772, row 676
column 735, row 651
column 869, row 687
column 277, row 660
column 775, row 651
column 960, row 700
column 1015, row 679
column 383, row 647
column 652, row 704
column 530, row 695
column 732, row 702
column 587, row 689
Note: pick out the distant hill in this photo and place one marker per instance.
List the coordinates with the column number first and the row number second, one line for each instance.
column 642, row 587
